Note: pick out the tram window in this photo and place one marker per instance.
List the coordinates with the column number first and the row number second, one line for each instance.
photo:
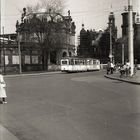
column 83, row 62
column 64, row 62
column 91, row 62
column 76, row 62
column 94, row 61
column 97, row 62
column 88, row 62
column 71, row 62
column 80, row 62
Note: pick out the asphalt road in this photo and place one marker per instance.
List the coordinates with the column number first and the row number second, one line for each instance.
column 77, row 106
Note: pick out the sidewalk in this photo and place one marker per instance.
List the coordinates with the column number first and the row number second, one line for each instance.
column 133, row 80
column 6, row 135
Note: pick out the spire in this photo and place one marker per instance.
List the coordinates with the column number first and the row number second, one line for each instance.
column 83, row 29
column 111, row 15
column 83, row 26
column 111, row 9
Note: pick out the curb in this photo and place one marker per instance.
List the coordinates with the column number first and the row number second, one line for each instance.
column 123, row 80
column 5, row 134
column 32, row 74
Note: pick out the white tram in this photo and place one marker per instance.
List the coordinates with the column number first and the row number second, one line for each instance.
column 74, row 64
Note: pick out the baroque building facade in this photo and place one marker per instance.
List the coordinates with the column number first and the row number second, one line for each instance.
column 52, row 34
column 43, row 39
column 96, row 44
column 87, row 45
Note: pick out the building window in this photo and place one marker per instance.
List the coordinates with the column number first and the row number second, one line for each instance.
column 70, row 54
column 64, row 54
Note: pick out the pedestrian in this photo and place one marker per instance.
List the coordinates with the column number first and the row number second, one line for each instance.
column 108, row 67
column 127, row 68
column 111, row 68
column 122, row 70
column 2, row 88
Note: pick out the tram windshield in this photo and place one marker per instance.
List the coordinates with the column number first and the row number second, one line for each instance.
column 64, row 62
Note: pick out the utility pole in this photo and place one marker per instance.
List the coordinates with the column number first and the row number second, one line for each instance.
column 3, row 46
column 110, row 54
column 19, row 52
column 130, row 36
column 0, row 17
column 122, row 53
column 0, row 33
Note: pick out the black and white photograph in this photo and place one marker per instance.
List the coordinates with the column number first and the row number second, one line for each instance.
column 70, row 70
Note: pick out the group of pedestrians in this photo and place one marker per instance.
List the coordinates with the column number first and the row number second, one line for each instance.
column 124, row 69
column 2, row 89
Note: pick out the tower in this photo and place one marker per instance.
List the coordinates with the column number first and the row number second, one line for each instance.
column 112, row 35
column 137, row 40
column 125, row 23
column 111, row 24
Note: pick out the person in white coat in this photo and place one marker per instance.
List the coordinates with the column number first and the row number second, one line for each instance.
column 2, row 88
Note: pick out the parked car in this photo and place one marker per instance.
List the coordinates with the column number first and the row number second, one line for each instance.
column 138, row 66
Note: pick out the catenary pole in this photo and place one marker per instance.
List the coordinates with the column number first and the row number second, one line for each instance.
column 3, row 50
column 123, row 54
column 130, row 36
column 19, row 51
column 0, row 33
column 111, row 56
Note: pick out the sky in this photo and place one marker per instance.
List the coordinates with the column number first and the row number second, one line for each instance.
column 92, row 13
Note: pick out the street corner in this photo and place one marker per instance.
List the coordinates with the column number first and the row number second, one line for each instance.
column 5, row 134
column 132, row 80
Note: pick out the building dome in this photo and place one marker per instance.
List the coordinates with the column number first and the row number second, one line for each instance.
column 42, row 10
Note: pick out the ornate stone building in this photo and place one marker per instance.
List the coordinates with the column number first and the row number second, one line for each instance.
column 96, row 44
column 46, row 37
column 42, row 39
column 108, row 40
column 9, row 53
column 87, row 45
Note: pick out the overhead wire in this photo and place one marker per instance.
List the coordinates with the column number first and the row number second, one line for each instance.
column 75, row 12
column 90, row 13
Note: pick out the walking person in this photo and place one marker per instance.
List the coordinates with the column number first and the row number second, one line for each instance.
column 111, row 68
column 127, row 68
column 2, row 88
column 122, row 70
column 108, row 68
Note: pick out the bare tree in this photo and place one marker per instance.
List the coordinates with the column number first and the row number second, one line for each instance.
column 46, row 30
column 56, row 6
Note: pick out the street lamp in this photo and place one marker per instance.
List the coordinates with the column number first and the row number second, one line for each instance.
column 19, row 50
column 123, row 54
column 130, row 36
column 4, row 68
column 110, row 33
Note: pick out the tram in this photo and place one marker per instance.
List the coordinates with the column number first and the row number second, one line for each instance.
column 75, row 64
